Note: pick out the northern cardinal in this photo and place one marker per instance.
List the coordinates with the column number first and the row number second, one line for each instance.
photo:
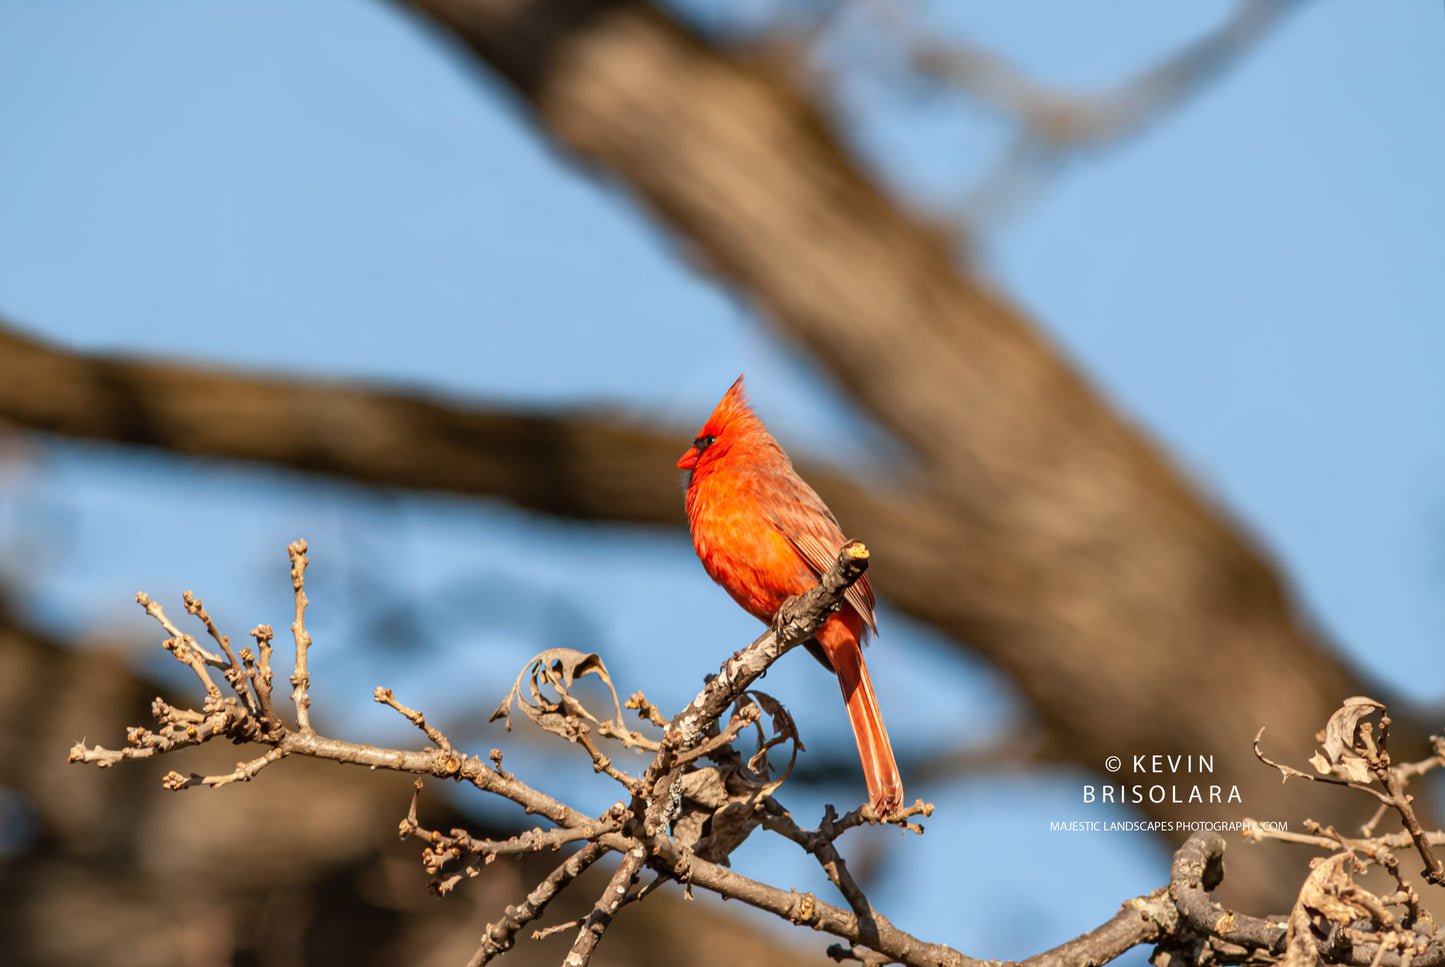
column 765, row 536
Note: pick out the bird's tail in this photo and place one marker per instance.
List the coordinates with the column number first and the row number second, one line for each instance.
column 885, row 785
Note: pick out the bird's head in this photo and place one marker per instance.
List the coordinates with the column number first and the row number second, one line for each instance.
column 732, row 420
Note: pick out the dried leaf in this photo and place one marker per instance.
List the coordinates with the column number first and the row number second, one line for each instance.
column 716, row 817
column 1320, row 895
column 687, row 829
column 730, row 825
column 1329, row 889
column 1299, row 945
column 705, row 787
column 1341, row 752
column 784, row 730
column 1353, row 768
column 1345, row 723
column 556, row 669
column 720, row 803
column 783, row 725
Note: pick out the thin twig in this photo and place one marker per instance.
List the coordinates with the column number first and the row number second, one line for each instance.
column 724, row 738
column 1368, row 844
column 820, row 844
column 1289, row 772
column 502, row 934
column 530, row 841
column 603, row 763
column 1380, row 766
column 260, row 671
column 184, row 647
column 301, row 679
column 233, row 670
column 606, row 907
column 385, row 697
column 244, row 772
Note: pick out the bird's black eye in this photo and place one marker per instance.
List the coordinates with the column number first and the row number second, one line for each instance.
column 704, row 441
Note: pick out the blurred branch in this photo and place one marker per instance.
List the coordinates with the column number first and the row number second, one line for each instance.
column 1065, row 119
column 1054, row 124
column 577, row 465
column 1020, row 747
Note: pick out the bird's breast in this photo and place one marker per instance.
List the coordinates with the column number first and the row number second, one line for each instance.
column 741, row 547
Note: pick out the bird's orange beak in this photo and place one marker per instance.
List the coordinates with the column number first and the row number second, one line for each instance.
column 688, row 460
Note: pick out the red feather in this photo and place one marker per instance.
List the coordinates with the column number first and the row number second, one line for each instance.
column 765, row 536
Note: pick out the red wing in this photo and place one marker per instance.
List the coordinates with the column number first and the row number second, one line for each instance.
column 816, row 535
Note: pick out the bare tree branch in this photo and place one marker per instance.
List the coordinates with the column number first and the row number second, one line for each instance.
column 1334, row 919
column 1053, row 124
column 570, row 465
column 500, row 936
column 1142, row 920
column 1065, row 118
column 656, row 800
column 1357, row 755
column 606, row 907
column 127, row 874
column 301, row 680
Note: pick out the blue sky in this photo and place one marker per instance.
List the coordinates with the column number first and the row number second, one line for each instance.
column 322, row 188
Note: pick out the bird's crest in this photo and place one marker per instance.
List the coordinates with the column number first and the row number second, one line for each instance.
column 731, row 410
column 731, row 424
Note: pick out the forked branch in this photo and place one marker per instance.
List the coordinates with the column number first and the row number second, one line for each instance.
column 699, row 797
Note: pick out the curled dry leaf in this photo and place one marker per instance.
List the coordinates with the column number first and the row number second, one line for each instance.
column 1329, row 896
column 725, row 831
column 1341, row 756
column 1330, row 891
column 557, row 669
column 1299, row 945
column 705, row 787
column 720, row 801
column 784, row 730
column 718, row 811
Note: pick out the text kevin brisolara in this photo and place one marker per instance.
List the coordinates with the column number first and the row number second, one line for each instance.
column 1159, row 794
column 1173, row 765
column 1163, row 825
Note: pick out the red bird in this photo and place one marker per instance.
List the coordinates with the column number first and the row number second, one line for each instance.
column 765, row 536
